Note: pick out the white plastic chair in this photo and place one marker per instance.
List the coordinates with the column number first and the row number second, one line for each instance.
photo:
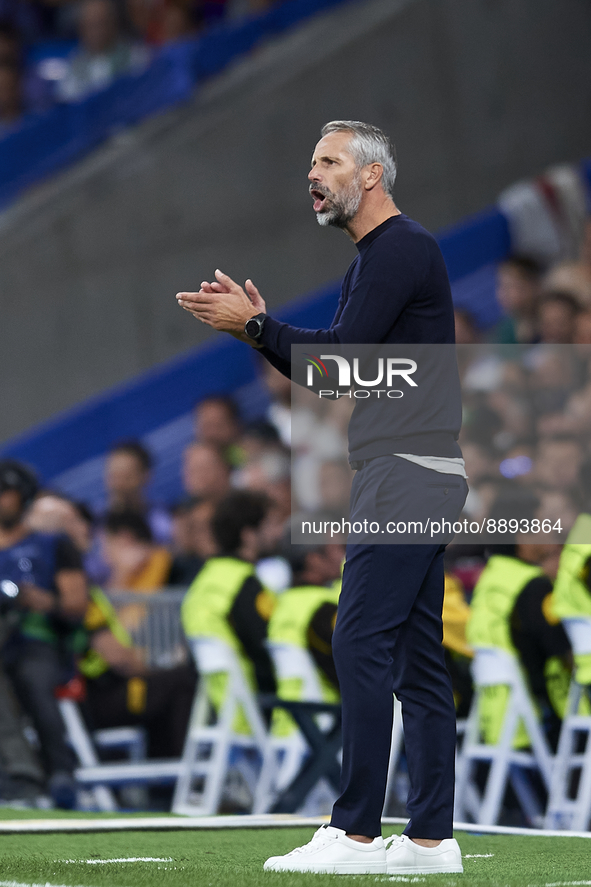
column 206, row 755
column 97, row 776
column 294, row 662
column 494, row 667
column 85, row 744
column 569, row 802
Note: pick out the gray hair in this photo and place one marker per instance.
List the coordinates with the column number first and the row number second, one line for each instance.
column 368, row 145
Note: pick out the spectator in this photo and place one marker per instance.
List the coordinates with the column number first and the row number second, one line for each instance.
column 572, row 590
column 11, row 97
column 558, row 462
column 195, row 542
column 458, row 654
column 21, row 776
column 127, row 475
column 102, row 55
column 122, row 691
column 270, row 474
column 558, row 507
column 518, row 288
column 227, row 601
column 305, row 614
column 206, row 474
column 511, row 609
column 217, row 424
column 258, row 439
column 46, row 571
column 574, row 277
column 136, row 562
column 557, row 318
column 53, row 513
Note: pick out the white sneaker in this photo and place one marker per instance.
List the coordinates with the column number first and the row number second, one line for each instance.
column 331, row 852
column 404, row 857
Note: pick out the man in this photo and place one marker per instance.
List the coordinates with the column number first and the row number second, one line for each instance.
column 217, row 424
column 227, row 601
column 50, row 594
column 518, row 290
column 572, row 589
column 121, row 689
column 304, row 619
column 512, row 610
column 205, row 472
column 128, row 472
column 388, row 633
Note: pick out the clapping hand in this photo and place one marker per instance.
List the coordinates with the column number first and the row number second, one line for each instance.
column 224, row 305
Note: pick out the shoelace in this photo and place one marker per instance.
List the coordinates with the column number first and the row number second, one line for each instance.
column 393, row 839
column 319, row 837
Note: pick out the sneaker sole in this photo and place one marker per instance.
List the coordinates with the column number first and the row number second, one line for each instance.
column 348, row 868
column 432, row 870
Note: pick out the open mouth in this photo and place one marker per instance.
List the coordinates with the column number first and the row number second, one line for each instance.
column 319, row 199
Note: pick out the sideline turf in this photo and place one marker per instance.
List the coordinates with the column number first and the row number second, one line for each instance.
column 235, row 858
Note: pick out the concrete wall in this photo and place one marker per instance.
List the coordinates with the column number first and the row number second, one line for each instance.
column 476, row 93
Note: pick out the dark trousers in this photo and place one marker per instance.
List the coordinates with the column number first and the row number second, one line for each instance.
column 165, row 715
column 17, row 757
column 388, row 639
column 36, row 670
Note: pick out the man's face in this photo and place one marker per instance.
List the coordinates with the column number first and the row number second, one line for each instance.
column 335, row 182
column 215, row 424
column 11, row 509
column 125, row 476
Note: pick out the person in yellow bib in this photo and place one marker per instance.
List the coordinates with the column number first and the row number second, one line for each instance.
column 227, row 601
column 512, row 609
column 304, row 619
column 458, row 653
column 572, row 590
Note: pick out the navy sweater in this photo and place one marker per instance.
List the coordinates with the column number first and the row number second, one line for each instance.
column 396, row 291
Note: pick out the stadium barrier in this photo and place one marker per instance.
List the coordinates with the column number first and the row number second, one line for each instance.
column 154, row 622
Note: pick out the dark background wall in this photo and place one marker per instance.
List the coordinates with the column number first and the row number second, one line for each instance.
column 475, row 93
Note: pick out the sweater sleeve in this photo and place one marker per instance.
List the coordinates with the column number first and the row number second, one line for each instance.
column 388, row 278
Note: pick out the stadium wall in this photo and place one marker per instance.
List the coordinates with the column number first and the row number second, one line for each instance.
column 476, row 95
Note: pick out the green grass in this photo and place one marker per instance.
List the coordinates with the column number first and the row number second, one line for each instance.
column 234, row 858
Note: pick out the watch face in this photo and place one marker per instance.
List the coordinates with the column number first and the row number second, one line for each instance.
column 253, row 328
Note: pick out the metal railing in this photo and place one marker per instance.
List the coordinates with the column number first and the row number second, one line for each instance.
column 154, row 623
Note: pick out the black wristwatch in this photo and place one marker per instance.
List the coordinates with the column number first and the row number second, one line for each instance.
column 254, row 326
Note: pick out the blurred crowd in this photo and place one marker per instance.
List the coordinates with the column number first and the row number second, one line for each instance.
column 54, row 51
column 527, row 409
